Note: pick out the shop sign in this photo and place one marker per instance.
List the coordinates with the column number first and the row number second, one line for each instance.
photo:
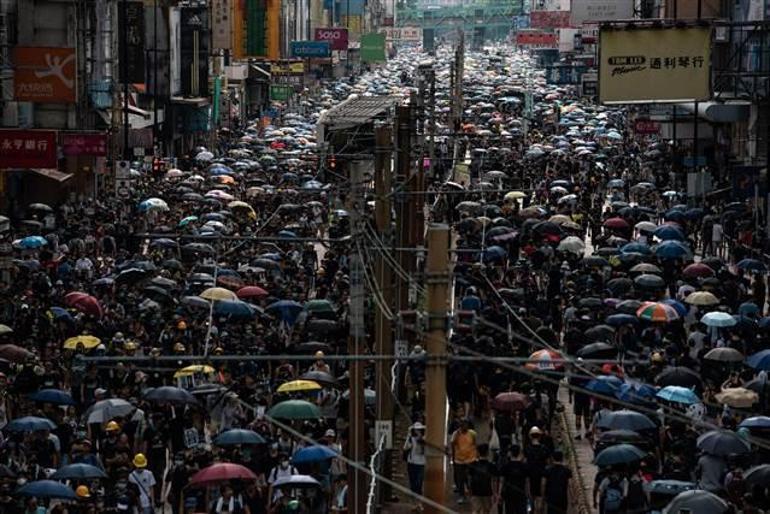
column 27, row 148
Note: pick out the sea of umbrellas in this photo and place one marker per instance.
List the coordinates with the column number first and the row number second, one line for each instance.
column 573, row 237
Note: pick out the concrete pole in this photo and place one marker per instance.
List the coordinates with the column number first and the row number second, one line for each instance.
column 437, row 281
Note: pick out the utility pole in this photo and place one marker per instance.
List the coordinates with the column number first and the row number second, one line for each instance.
column 124, row 67
column 356, row 441
column 383, row 329
column 437, row 282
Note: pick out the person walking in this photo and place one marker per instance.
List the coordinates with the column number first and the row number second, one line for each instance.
column 557, row 477
column 463, row 444
column 414, row 450
column 482, row 476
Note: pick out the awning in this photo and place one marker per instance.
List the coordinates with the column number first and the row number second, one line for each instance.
column 263, row 72
column 721, row 112
column 52, row 174
column 195, row 101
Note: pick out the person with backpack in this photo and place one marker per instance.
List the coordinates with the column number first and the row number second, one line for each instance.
column 636, row 497
column 612, row 492
column 228, row 503
column 284, row 469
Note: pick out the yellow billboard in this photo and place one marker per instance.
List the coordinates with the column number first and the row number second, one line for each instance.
column 652, row 65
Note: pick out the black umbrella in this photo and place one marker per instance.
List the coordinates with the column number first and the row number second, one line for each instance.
column 758, row 475
column 199, row 248
column 679, row 376
column 625, row 420
column 591, row 302
column 697, row 501
column 628, row 306
column 158, row 294
column 722, row 443
column 130, row 276
column 322, row 326
column 619, row 286
column 599, row 350
column 600, row 333
column 319, row 376
column 650, row 281
column 170, row 394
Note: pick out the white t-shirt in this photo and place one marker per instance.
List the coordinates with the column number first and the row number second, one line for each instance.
column 144, row 481
column 716, row 233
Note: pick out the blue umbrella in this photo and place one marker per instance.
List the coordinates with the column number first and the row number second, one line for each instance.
column 494, row 253
column 235, row 309
column 675, row 215
column 605, row 384
column 678, row 306
column 286, row 310
column 315, row 453
column 618, row 454
column 718, row 319
column 625, row 420
column 755, row 422
column 30, row 424
column 616, row 183
column 238, row 436
column 287, row 234
column 751, row 265
column 46, row 489
column 60, row 313
column 79, row 471
column 748, row 309
column 678, row 394
column 669, row 232
column 672, row 250
column 636, row 393
column 635, row 247
column 617, row 320
column 32, row 242
column 55, row 396
column 759, row 360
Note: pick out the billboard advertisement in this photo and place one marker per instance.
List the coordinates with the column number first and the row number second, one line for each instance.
column 537, row 39
column 131, row 48
column 373, row 47
column 589, row 11
column 74, row 143
column 549, row 19
column 310, row 49
column 27, row 149
column 194, row 51
column 648, row 65
column 44, row 75
column 337, row 37
column 409, row 34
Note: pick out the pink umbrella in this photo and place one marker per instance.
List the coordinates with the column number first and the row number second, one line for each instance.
column 222, row 472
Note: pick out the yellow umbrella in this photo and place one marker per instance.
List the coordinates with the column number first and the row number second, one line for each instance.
column 296, row 386
column 5, row 329
column 242, row 206
column 218, row 293
column 195, row 368
column 87, row 341
column 515, row 195
column 737, row 397
column 701, row 298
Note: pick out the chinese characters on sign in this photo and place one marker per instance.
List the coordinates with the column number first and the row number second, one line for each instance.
column 536, row 39
column 44, row 74
column 27, row 149
column 221, row 31
column 288, row 72
column 646, row 127
column 549, row 19
column 84, row 144
column 601, row 10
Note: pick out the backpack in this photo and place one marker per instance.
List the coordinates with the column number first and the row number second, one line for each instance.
column 636, row 497
column 613, row 498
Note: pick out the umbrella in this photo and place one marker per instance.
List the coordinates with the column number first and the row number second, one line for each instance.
column 724, row 354
column 626, row 420
column 33, row 242
column 235, row 309
column 298, row 386
column 646, row 267
column 53, row 396
column 678, row 306
column 757, row 422
column 203, row 369
column 636, row 393
column 591, row 302
column 722, row 443
column 45, row 489
column 748, row 309
column 153, row 204
column 514, row 195
column 600, row 333
column 680, row 376
column 636, row 248
column 698, row 270
column 572, row 244
column 657, row 312
column 236, row 436
column 672, row 250
column 296, row 482
column 320, row 306
column 617, row 320
column 645, row 226
column 320, row 377
column 595, row 261
column 5, row 329
column 751, row 265
column 85, row 303
column 315, row 453
column 702, row 298
column 697, row 501
column 87, row 341
column 628, row 306
column 618, row 454
column 78, row 472
column 542, row 360
column 30, row 424
column 511, row 401
column 294, row 409
column 678, row 394
column 599, row 350
column 758, row 475
column 286, row 310
column 669, row 232
column 616, row 223
column 718, row 319
column 605, row 384
column 759, row 360
column 106, row 410
column 13, row 353
column 170, row 394
column 649, row 281
column 249, row 292
column 218, row 293
column 737, row 397
column 222, row 472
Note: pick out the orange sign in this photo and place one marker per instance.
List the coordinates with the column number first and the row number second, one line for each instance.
column 44, row 75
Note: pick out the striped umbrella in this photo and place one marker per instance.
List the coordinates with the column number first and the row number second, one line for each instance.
column 543, row 360
column 656, row 311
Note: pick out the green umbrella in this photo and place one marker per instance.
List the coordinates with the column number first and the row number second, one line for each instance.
column 188, row 219
column 294, row 409
column 319, row 306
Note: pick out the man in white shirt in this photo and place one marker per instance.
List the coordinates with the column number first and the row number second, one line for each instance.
column 283, row 470
column 144, row 481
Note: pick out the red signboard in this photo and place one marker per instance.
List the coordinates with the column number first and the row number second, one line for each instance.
column 546, row 39
column 27, row 149
column 337, row 38
column 646, row 127
column 84, row 144
column 549, row 19
column 44, row 75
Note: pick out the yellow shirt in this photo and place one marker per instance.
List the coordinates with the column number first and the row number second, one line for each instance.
column 464, row 445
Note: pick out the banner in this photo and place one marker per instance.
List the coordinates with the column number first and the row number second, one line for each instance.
column 27, row 149
column 587, row 11
column 310, row 49
column 44, row 75
column 174, row 51
column 221, row 24
column 648, row 65
column 549, row 19
column 411, row 34
column 288, row 72
column 280, row 93
column 131, row 48
column 84, row 144
column 337, row 37
column 538, row 39
column 194, row 51
column 373, row 47
column 646, row 127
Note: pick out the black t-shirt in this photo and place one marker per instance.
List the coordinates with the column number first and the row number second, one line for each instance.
column 514, row 474
column 537, row 457
column 556, row 483
column 482, row 472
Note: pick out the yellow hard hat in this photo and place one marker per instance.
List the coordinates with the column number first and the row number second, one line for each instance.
column 319, row 354
column 112, row 426
column 657, row 357
column 140, row 461
column 130, row 346
column 218, row 350
column 82, row 492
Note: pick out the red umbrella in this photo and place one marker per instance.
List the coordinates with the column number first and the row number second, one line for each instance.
column 85, row 303
column 251, row 292
column 71, row 298
column 222, row 472
column 510, row 402
column 13, row 353
column 616, row 223
column 698, row 270
column 230, row 282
